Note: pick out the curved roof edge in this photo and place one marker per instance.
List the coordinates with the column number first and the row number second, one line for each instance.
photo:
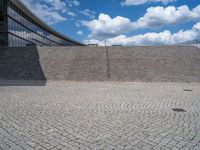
column 29, row 13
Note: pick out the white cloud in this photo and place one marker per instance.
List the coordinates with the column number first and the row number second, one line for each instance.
column 79, row 32
column 89, row 13
column 74, row 2
column 50, row 11
column 71, row 14
column 57, row 5
column 159, row 16
column 155, row 17
column 139, row 2
column 197, row 27
column 162, row 38
column 105, row 26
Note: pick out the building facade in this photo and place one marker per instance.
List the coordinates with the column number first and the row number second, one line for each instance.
column 19, row 27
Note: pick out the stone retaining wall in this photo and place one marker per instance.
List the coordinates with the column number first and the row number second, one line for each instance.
column 138, row 64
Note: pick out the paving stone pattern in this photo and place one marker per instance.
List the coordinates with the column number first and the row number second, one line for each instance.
column 100, row 115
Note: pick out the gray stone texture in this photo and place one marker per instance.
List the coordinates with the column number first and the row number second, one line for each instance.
column 73, row 63
column 100, row 115
column 20, row 64
column 146, row 64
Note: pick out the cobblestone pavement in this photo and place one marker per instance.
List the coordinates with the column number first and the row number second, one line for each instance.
column 100, row 115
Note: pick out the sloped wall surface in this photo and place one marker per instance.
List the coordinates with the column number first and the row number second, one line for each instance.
column 20, row 64
column 138, row 64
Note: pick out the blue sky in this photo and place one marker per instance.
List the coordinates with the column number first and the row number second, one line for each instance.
column 125, row 22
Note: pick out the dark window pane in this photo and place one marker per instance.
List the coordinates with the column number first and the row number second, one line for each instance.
column 2, row 6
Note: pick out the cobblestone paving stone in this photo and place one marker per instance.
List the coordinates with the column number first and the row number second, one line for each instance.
column 100, row 115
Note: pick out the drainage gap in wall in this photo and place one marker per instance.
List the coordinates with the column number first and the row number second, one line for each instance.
column 178, row 109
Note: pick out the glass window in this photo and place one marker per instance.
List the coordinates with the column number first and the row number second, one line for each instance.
column 22, row 27
column 16, row 41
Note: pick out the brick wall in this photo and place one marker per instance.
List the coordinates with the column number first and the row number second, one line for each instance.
column 140, row 64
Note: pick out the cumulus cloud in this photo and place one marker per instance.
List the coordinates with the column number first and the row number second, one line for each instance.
column 105, row 26
column 159, row 16
column 152, row 38
column 155, row 17
column 139, row 2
